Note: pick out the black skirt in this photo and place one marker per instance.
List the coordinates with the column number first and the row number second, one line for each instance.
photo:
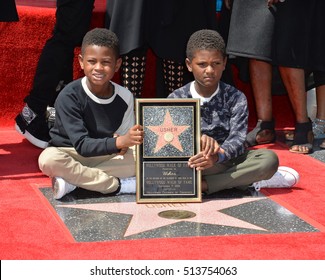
column 126, row 19
column 170, row 23
column 164, row 25
column 299, row 35
column 251, row 29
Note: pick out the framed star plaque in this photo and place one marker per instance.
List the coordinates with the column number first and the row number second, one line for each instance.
column 171, row 137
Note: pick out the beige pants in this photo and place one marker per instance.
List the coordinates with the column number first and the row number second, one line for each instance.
column 91, row 173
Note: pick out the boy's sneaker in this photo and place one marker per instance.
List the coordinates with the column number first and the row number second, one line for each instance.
column 128, row 186
column 285, row 177
column 33, row 127
column 61, row 187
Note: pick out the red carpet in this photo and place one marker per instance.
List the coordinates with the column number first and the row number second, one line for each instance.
column 29, row 229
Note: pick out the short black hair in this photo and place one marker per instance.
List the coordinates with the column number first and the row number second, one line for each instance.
column 102, row 37
column 205, row 39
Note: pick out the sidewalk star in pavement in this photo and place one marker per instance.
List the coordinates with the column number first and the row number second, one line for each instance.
column 146, row 217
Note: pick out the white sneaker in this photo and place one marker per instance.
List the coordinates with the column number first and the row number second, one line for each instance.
column 61, row 187
column 128, row 186
column 285, row 177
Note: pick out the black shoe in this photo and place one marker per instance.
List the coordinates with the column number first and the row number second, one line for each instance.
column 33, row 127
column 50, row 116
column 263, row 133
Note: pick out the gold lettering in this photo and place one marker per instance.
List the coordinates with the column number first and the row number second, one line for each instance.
column 168, row 129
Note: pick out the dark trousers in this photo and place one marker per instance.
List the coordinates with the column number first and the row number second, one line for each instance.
column 55, row 64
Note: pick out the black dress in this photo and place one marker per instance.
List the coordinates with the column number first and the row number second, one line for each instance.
column 126, row 19
column 299, row 35
column 250, row 36
column 165, row 26
column 170, row 23
column 251, row 29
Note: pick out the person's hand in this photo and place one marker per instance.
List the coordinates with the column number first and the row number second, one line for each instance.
column 200, row 161
column 209, row 146
column 122, row 151
column 133, row 137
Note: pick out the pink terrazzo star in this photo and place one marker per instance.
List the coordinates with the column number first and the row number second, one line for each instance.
column 145, row 216
column 168, row 133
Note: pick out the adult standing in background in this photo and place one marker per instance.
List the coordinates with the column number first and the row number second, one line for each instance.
column 163, row 26
column 54, row 68
column 127, row 20
column 298, row 49
column 8, row 11
column 293, row 44
column 250, row 37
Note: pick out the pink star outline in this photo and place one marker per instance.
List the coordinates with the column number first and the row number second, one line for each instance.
column 145, row 216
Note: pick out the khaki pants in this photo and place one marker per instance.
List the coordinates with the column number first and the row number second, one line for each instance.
column 241, row 172
column 92, row 173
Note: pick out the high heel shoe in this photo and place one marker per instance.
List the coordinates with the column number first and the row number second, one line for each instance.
column 263, row 133
column 303, row 138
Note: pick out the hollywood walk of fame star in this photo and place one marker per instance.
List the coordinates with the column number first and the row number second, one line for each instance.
column 168, row 133
column 146, row 217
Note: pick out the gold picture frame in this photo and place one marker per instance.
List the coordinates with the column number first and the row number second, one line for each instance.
column 171, row 137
